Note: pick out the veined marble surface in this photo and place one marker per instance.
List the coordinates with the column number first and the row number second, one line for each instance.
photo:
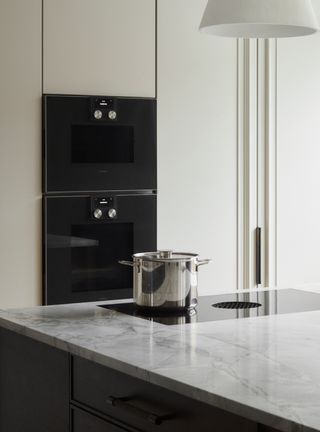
column 266, row 369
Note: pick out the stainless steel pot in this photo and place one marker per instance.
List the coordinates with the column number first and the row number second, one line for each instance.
column 165, row 279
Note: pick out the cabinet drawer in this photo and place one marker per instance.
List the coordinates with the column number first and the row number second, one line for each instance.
column 84, row 422
column 145, row 406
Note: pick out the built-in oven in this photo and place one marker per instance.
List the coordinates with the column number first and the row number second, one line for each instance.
column 97, row 143
column 84, row 238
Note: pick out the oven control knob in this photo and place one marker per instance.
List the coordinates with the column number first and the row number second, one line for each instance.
column 97, row 114
column 112, row 213
column 97, row 213
column 112, row 115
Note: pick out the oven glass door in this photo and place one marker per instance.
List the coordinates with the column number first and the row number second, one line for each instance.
column 82, row 253
column 82, row 153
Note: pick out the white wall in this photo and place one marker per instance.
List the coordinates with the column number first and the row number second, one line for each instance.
column 299, row 161
column 20, row 152
column 197, row 141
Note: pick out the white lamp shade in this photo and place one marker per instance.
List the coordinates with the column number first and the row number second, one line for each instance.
column 259, row 18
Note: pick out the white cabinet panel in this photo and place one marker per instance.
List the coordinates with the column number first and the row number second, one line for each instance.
column 197, row 142
column 20, row 152
column 299, row 161
column 99, row 47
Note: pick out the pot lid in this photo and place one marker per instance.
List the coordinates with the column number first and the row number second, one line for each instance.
column 166, row 255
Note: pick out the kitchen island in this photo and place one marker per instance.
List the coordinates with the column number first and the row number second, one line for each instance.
column 107, row 371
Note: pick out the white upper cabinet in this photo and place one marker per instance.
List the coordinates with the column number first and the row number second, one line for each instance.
column 102, row 47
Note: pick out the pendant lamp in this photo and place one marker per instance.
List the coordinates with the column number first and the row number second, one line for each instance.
column 259, row 18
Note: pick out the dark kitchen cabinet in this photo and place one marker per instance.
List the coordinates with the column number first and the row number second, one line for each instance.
column 43, row 389
column 145, row 406
column 34, row 385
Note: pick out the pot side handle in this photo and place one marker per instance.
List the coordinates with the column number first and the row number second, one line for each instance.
column 203, row 262
column 127, row 263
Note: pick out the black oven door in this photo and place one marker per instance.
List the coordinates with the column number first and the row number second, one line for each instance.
column 86, row 236
column 99, row 143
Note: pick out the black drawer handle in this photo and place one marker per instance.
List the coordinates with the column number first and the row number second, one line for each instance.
column 124, row 404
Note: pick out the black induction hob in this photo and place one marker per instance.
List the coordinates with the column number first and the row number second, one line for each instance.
column 230, row 306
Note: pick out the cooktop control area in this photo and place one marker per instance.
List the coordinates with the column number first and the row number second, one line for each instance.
column 230, row 306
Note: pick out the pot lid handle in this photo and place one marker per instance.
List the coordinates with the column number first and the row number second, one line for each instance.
column 165, row 254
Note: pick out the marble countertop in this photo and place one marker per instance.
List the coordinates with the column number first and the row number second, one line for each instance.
column 266, row 369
